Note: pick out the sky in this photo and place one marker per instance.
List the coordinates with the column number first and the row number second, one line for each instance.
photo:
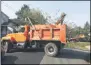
column 77, row 12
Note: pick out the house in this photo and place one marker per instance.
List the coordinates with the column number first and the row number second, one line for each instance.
column 10, row 26
column 7, row 25
column 4, row 19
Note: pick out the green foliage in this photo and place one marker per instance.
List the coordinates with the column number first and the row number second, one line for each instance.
column 34, row 15
column 77, row 45
column 73, row 32
column 86, row 28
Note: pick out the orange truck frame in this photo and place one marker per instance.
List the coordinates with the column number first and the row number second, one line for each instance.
column 50, row 37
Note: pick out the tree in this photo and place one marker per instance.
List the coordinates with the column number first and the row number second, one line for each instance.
column 34, row 15
column 86, row 28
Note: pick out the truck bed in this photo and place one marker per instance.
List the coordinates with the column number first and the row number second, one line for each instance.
column 54, row 32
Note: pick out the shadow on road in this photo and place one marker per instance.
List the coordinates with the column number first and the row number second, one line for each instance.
column 27, row 50
column 24, row 56
column 74, row 54
column 9, row 60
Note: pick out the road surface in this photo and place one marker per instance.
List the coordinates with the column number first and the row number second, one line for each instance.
column 30, row 56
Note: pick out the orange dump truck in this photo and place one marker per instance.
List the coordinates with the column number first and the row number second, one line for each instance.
column 50, row 37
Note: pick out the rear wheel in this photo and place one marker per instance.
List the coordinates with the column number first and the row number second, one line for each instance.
column 51, row 49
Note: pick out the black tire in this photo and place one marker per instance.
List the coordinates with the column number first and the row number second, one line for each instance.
column 26, row 44
column 7, row 46
column 2, row 53
column 51, row 49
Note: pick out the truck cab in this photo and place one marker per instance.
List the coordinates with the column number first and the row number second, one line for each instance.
column 16, row 38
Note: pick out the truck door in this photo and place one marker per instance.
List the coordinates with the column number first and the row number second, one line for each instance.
column 20, row 37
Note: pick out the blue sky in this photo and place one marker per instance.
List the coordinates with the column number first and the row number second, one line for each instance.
column 77, row 11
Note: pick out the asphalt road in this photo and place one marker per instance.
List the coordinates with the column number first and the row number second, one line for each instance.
column 32, row 56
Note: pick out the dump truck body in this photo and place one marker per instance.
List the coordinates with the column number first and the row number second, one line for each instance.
column 48, row 32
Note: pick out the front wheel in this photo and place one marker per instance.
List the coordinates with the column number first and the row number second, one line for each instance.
column 7, row 46
column 2, row 52
column 51, row 49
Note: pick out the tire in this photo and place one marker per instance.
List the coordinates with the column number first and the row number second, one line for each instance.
column 26, row 44
column 7, row 46
column 51, row 49
column 2, row 53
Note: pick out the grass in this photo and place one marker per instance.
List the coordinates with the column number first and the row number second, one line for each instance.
column 81, row 46
column 78, row 45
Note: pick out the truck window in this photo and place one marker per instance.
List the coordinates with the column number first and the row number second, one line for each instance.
column 22, row 29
